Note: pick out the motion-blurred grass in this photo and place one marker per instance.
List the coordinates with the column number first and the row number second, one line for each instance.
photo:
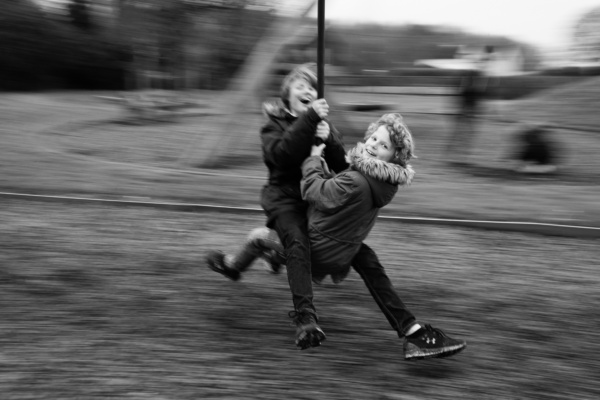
column 107, row 302
column 104, row 302
column 77, row 144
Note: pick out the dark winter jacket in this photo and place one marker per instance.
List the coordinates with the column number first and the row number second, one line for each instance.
column 343, row 208
column 286, row 143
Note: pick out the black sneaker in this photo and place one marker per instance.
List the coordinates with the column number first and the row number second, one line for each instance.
column 308, row 333
column 429, row 342
column 216, row 261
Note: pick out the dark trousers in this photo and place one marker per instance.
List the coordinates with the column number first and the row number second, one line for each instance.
column 292, row 230
column 373, row 274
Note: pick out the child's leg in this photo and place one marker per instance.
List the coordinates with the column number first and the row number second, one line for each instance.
column 373, row 274
column 259, row 242
column 420, row 341
column 292, row 230
column 273, row 252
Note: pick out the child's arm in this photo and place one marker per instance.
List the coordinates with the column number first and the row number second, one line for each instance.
column 335, row 153
column 293, row 146
column 326, row 194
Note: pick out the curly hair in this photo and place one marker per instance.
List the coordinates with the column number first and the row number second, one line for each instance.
column 399, row 134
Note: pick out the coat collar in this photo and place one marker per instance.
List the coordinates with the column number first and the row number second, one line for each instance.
column 377, row 169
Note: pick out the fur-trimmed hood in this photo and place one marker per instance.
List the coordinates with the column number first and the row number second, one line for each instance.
column 344, row 208
column 377, row 169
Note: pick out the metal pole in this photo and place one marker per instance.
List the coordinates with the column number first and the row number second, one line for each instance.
column 321, row 49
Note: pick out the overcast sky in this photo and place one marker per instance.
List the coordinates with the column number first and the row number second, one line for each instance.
column 545, row 23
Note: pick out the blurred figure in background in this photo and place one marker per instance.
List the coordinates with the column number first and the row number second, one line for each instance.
column 471, row 90
column 343, row 210
column 474, row 86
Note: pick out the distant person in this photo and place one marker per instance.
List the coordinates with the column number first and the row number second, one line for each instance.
column 471, row 90
column 474, row 86
column 343, row 210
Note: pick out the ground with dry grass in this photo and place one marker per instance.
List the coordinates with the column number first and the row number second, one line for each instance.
column 99, row 301
column 105, row 302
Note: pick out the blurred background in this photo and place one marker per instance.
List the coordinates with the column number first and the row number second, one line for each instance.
column 490, row 91
column 165, row 57
column 153, row 107
column 195, row 44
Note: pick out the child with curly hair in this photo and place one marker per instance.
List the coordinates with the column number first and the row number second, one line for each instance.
column 342, row 211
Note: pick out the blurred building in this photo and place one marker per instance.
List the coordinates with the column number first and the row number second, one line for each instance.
column 494, row 60
column 504, row 59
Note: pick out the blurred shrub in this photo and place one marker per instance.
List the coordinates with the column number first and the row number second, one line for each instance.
column 42, row 51
column 27, row 42
column 39, row 53
column 396, row 48
column 206, row 45
column 219, row 39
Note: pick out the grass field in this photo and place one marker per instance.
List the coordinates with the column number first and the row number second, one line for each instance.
column 98, row 301
column 102, row 302
column 74, row 143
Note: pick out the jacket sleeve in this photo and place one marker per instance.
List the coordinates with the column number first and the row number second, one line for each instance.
column 335, row 153
column 325, row 194
column 290, row 148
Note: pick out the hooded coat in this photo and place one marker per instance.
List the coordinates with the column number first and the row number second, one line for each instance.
column 343, row 208
column 286, row 142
